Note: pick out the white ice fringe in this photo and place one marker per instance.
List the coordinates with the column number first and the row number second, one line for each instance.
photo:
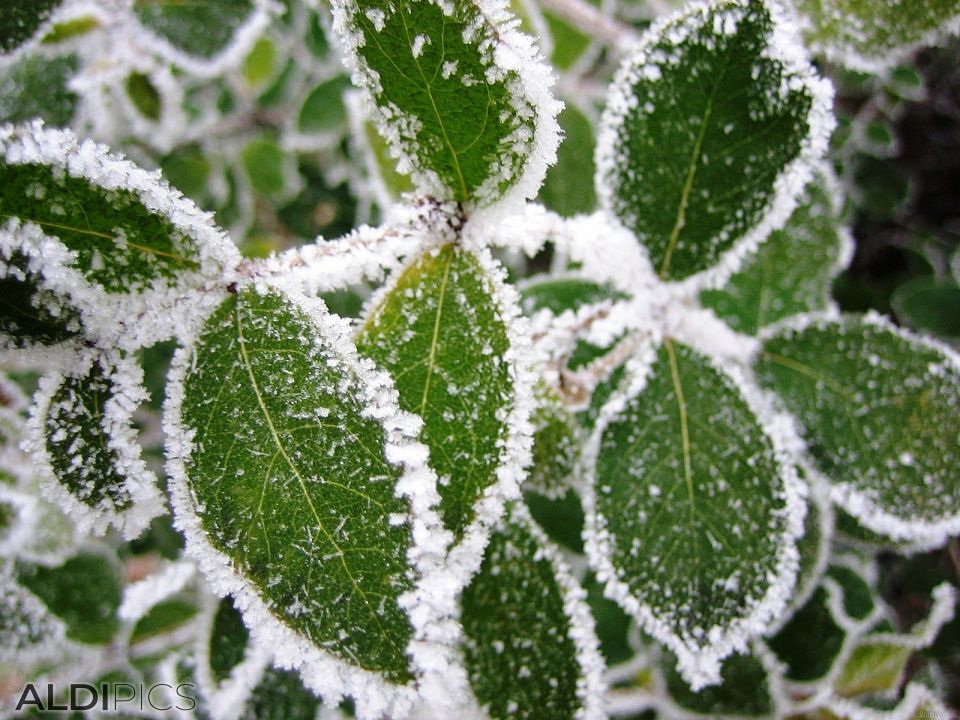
column 783, row 47
column 145, row 594
column 145, row 316
column 699, row 663
column 125, row 379
column 431, row 605
column 922, row 533
column 509, row 51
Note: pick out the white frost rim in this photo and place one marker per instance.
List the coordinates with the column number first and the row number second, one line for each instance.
column 854, row 502
column 139, row 484
column 431, row 605
column 785, row 48
column 699, row 663
column 508, row 50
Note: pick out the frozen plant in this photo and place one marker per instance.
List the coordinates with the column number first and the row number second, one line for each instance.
column 364, row 492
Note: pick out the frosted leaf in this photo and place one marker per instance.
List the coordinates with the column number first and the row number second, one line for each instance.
column 36, row 87
column 793, row 270
column 929, row 304
column 20, row 21
column 442, row 334
column 872, row 36
column 81, row 435
column 323, row 110
column 709, row 132
column 18, row 519
column 84, row 592
column 810, row 642
column 693, row 509
column 473, row 131
column 127, row 246
column 27, row 628
column 300, row 493
column 878, row 409
column 530, row 646
column 556, row 445
column 280, row 696
column 746, row 689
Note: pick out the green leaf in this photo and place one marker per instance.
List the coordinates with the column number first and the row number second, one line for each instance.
column 280, row 696
column 561, row 518
column 809, row 643
column 84, row 592
column 858, row 596
column 228, row 640
column 556, row 444
column 744, row 689
column 440, row 332
column 26, row 626
column 569, row 42
column 692, row 519
column 119, row 242
column 36, row 87
column 323, row 110
column 20, row 20
column 708, row 127
column 30, row 312
column 290, row 480
column 164, row 617
column 203, row 29
column 188, row 169
column 383, row 166
column 566, row 189
column 878, row 410
column 144, row 95
column 529, row 645
column 81, row 433
column 260, row 64
column 870, row 36
column 873, row 667
column 558, row 294
column 269, row 168
column 70, row 29
column 465, row 124
column 926, row 303
column 791, row 272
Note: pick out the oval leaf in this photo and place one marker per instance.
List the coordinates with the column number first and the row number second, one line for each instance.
column 287, row 477
column 199, row 29
column 709, row 129
column 443, row 335
column 692, row 516
column 879, row 411
column 530, row 646
column 461, row 96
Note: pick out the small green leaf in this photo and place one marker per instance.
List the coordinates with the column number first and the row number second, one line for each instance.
column 323, row 110
column 858, row 596
column 70, row 29
column 84, row 592
column 464, row 123
column 144, row 95
column 530, row 648
column 29, row 312
column 280, row 696
column 20, row 20
column 556, row 444
column 163, row 617
column 188, row 169
column 36, row 87
column 691, row 518
column 440, row 333
column 926, row 303
column 268, row 167
column 791, row 272
column 558, row 294
column 561, row 518
column 566, row 189
column 228, row 640
column 260, row 63
column 203, row 29
column 878, row 409
column 704, row 125
column 26, row 625
column 810, row 641
column 744, row 690
column 873, row 667
column 868, row 35
column 569, row 42
column 291, row 482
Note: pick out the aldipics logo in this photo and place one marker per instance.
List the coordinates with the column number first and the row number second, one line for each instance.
column 107, row 696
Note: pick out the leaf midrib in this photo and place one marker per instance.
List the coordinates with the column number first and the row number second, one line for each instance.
column 684, row 442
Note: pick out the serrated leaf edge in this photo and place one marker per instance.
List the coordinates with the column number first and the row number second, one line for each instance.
column 698, row 663
column 430, row 605
column 139, row 483
column 922, row 534
column 785, row 47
